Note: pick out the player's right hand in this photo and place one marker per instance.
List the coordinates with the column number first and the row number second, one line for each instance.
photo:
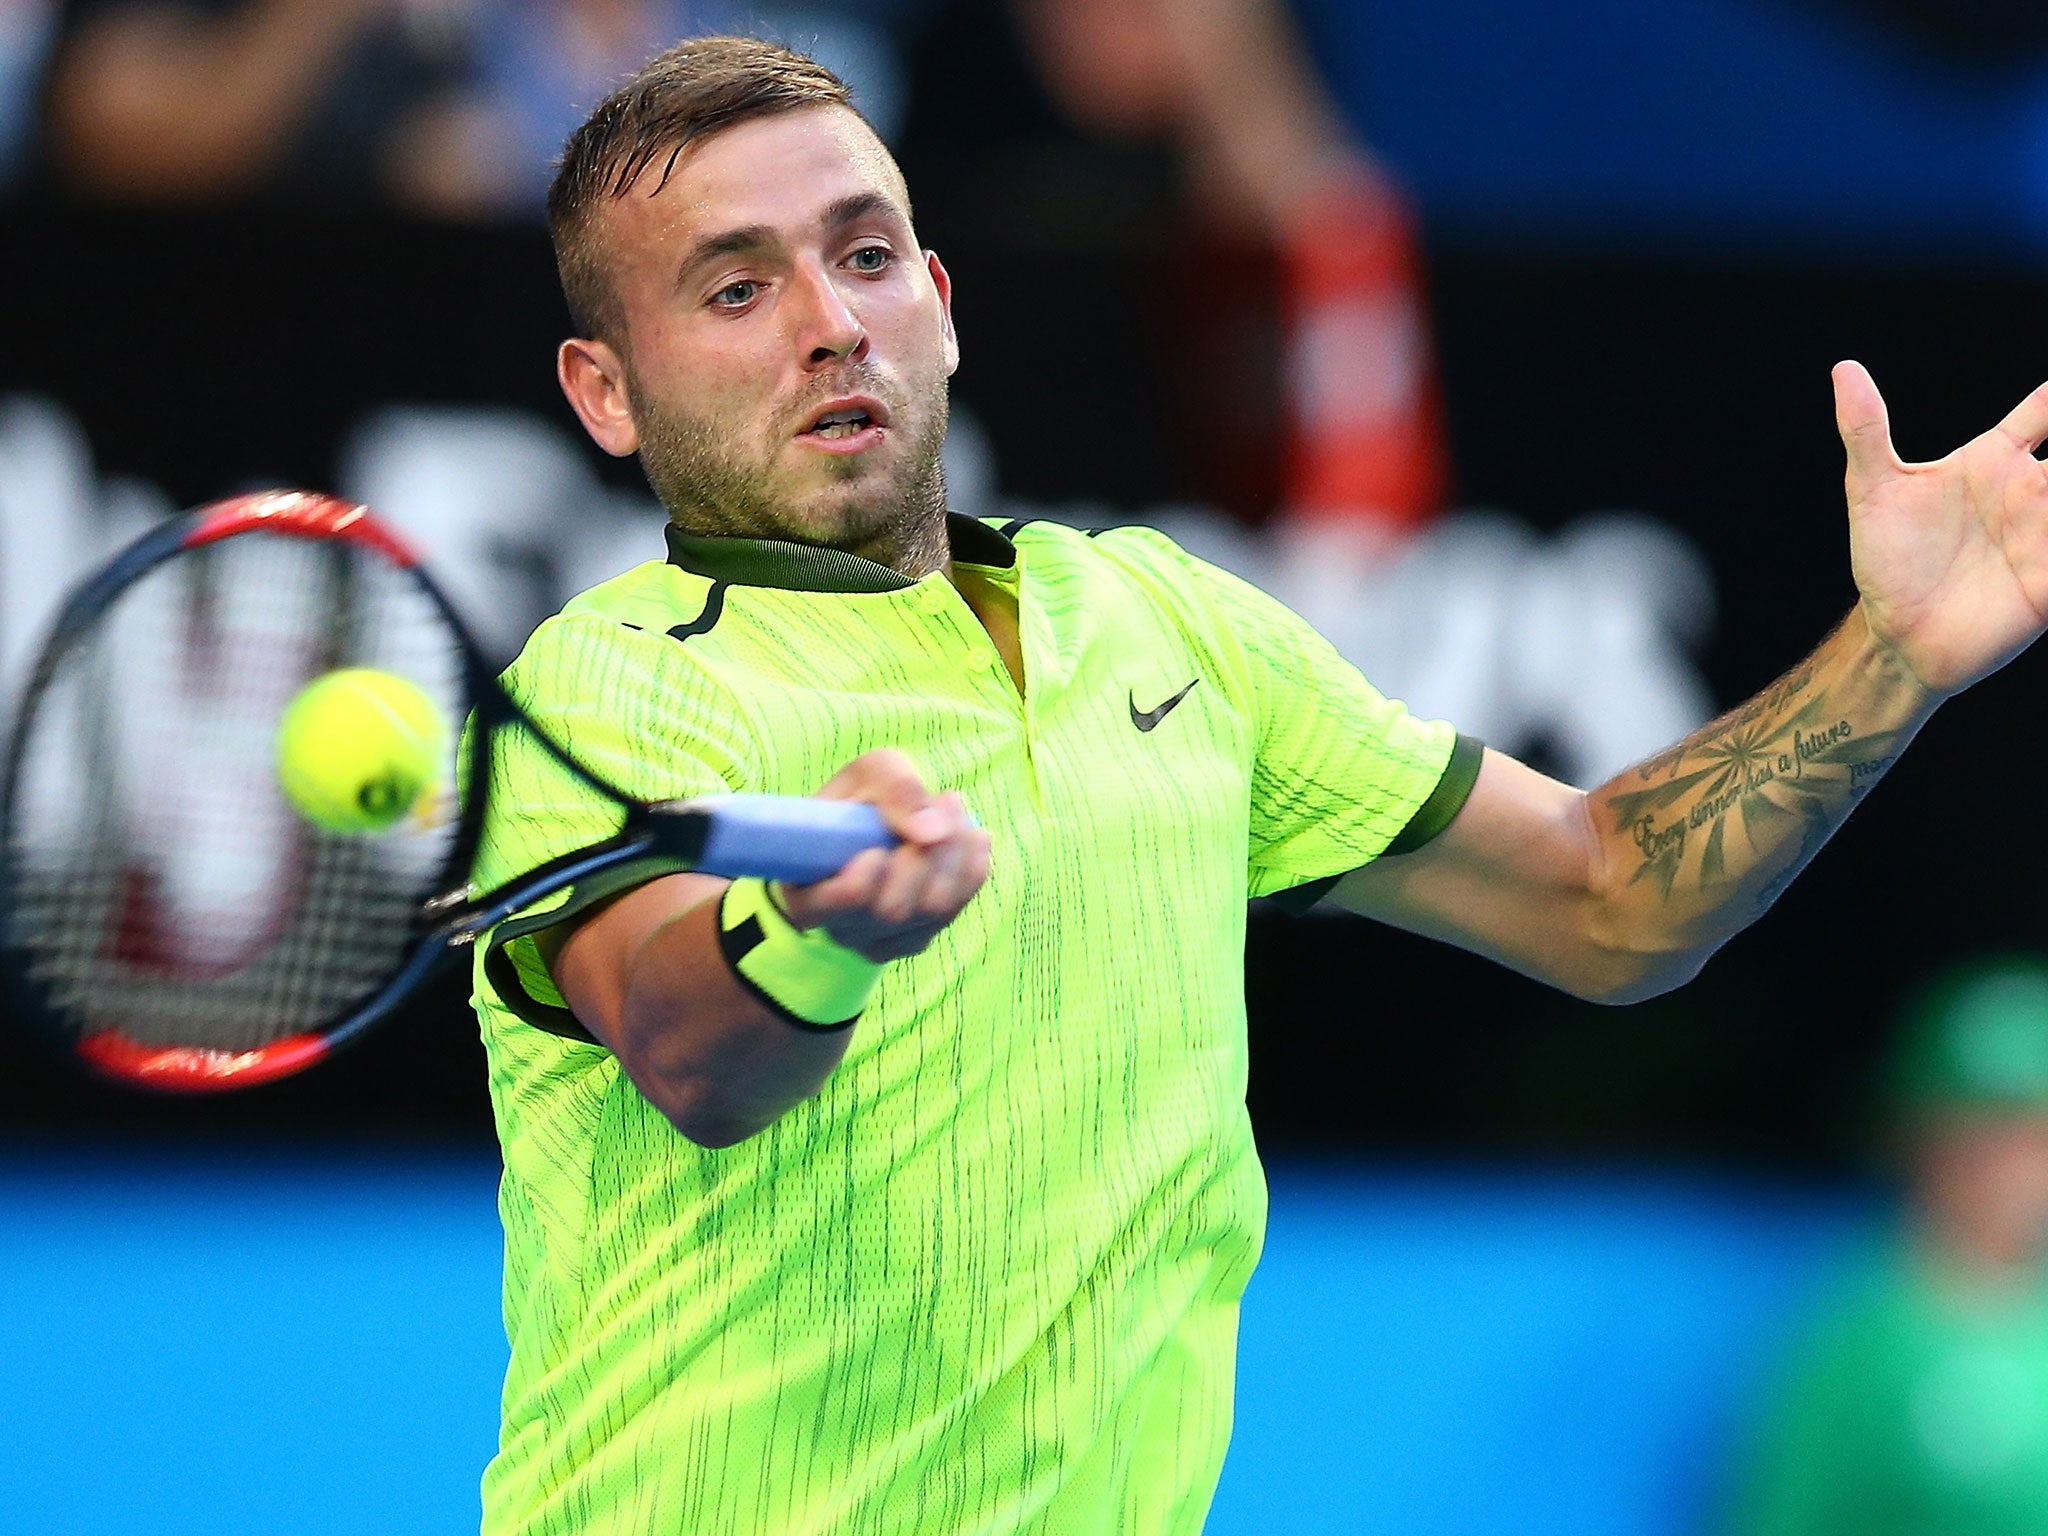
column 888, row 903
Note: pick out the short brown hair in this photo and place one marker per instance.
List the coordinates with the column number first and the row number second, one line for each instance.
column 695, row 89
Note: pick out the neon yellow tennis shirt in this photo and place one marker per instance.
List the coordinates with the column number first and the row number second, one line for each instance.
column 987, row 1280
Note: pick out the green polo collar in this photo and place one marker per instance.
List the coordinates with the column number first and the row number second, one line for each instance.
column 813, row 568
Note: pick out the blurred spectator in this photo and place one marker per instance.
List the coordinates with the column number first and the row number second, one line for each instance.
column 1920, row 1405
column 541, row 66
column 1230, row 85
column 458, row 107
column 24, row 34
column 180, row 100
column 1270, row 275
column 447, row 107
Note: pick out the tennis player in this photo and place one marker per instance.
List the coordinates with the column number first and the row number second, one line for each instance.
column 920, row 1200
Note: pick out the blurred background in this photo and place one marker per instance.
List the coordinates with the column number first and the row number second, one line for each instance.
column 1492, row 335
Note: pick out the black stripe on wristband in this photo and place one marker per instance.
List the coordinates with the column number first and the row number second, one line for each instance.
column 741, row 940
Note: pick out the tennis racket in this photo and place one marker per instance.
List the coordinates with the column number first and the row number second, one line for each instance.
column 170, row 919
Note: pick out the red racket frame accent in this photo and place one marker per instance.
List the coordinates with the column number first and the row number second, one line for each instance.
column 304, row 513
column 187, row 1069
column 197, row 1069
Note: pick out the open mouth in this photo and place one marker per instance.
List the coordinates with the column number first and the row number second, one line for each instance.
column 846, row 418
column 842, row 423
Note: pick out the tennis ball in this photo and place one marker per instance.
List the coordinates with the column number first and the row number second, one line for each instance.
column 357, row 748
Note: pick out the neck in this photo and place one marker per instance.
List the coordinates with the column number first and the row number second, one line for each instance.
column 914, row 547
column 913, row 543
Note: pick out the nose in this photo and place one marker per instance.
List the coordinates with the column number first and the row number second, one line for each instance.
column 829, row 330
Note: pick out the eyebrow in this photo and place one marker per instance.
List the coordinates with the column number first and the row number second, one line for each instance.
column 748, row 238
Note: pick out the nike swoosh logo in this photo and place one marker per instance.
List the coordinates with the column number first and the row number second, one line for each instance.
column 1145, row 719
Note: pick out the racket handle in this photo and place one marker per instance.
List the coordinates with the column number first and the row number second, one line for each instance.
column 782, row 837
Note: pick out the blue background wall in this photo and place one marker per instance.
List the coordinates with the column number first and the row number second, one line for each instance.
column 284, row 1343
column 1716, row 123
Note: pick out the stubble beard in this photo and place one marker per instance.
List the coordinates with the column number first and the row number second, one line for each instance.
column 703, row 474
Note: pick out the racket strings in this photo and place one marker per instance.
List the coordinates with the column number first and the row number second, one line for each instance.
column 162, row 884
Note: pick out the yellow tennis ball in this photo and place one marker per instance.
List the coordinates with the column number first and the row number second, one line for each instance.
column 357, row 748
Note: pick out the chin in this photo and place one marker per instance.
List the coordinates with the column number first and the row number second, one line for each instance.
column 843, row 519
column 808, row 525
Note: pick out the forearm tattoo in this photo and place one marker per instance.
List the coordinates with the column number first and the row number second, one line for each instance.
column 1747, row 800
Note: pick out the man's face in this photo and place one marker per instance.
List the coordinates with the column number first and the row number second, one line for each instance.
column 786, row 344
column 1983, row 1184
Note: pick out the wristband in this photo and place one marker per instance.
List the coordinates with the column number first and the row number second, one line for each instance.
column 802, row 975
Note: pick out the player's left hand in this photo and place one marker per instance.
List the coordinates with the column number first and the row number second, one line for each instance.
column 1951, row 558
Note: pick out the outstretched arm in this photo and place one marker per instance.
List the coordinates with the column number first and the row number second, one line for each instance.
column 1624, row 891
column 648, row 976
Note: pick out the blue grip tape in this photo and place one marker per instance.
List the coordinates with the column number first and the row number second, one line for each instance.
column 786, row 837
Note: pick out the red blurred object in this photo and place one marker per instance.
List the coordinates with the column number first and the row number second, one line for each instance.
column 1365, row 433
column 306, row 513
column 194, row 1069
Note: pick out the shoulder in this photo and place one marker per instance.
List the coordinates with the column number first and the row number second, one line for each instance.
column 1129, row 544
column 1201, row 599
column 1140, row 554
column 626, row 613
column 1099, row 567
column 652, row 596
column 622, row 634
column 609, row 681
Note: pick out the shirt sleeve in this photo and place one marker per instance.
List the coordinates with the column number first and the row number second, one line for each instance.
column 1341, row 775
column 634, row 709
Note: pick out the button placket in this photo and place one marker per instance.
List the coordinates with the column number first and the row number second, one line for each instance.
column 978, row 655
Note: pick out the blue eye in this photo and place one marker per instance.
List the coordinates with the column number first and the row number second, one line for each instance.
column 734, row 295
column 861, row 262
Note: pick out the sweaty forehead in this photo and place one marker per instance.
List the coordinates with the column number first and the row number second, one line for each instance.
column 779, row 173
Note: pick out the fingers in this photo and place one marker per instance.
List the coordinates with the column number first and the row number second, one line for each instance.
column 927, row 881
column 886, row 903
column 912, row 882
column 889, row 781
column 1865, row 427
column 852, row 888
column 2027, row 423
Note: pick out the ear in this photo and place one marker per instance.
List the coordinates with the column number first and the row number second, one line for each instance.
column 943, row 281
column 593, row 376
